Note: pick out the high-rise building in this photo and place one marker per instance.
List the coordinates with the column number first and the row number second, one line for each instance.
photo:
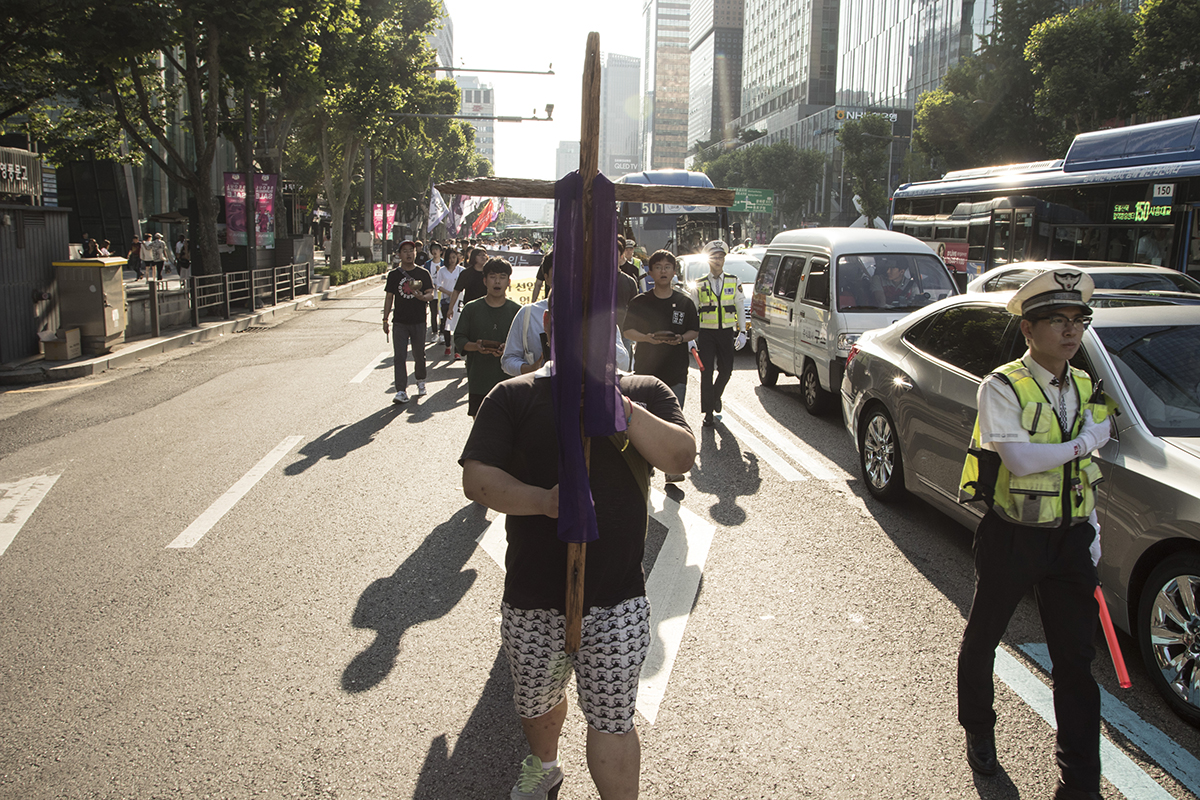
column 620, row 115
column 715, row 73
column 789, row 60
column 477, row 100
column 442, row 40
column 566, row 159
column 665, row 84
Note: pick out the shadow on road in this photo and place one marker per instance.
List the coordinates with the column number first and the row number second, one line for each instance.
column 425, row 587
column 342, row 440
column 486, row 753
column 723, row 470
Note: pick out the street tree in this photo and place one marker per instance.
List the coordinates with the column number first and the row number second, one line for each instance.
column 1167, row 53
column 792, row 174
column 373, row 61
column 1082, row 62
column 865, row 146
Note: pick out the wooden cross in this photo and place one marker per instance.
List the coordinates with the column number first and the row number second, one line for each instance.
column 589, row 160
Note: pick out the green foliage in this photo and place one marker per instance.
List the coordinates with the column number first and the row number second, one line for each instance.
column 865, row 147
column 1167, row 53
column 1083, row 64
column 793, row 174
column 353, row 271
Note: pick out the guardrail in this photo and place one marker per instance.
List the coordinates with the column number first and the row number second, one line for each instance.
column 250, row 289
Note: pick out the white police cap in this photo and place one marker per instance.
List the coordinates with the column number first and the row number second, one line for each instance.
column 1061, row 286
column 716, row 246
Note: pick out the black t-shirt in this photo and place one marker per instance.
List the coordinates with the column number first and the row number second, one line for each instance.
column 514, row 430
column 649, row 313
column 407, row 308
column 470, row 283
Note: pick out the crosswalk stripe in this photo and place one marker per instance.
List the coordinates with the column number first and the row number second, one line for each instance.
column 205, row 522
column 18, row 501
column 786, row 470
column 778, row 437
column 369, row 368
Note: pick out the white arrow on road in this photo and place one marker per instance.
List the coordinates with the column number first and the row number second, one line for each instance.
column 18, row 501
column 671, row 589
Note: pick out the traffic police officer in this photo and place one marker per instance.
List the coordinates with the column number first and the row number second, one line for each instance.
column 1029, row 462
column 719, row 300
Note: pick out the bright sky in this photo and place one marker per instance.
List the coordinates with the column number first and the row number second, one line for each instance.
column 532, row 35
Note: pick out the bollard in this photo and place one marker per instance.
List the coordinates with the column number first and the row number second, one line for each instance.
column 155, row 330
column 194, row 299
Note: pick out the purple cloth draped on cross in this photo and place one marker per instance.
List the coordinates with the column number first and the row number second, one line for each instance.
column 603, row 414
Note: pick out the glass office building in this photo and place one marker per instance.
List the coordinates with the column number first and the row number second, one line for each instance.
column 665, row 84
column 620, row 114
column 715, row 82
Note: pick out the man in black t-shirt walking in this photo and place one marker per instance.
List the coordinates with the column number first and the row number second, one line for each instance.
column 661, row 322
column 407, row 290
column 510, row 464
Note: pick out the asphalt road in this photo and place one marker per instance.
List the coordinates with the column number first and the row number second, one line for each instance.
column 332, row 629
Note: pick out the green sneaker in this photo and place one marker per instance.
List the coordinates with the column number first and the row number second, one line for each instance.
column 535, row 783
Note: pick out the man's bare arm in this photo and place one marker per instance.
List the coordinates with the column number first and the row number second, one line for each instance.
column 493, row 487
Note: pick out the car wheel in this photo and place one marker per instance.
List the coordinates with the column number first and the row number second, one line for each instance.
column 816, row 399
column 879, row 456
column 768, row 373
column 1168, row 632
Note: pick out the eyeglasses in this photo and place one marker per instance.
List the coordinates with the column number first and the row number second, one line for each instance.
column 1058, row 322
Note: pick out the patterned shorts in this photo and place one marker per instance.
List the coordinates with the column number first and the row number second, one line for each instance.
column 607, row 665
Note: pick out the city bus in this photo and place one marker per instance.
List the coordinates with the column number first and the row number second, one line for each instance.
column 678, row 228
column 1126, row 194
column 540, row 233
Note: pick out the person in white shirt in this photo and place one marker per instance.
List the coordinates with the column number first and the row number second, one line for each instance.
column 444, row 279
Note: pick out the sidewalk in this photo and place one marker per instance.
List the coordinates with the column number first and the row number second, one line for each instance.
column 35, row 369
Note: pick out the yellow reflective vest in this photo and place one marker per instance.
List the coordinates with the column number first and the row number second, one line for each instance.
column 713, row 309
column 1036, row 500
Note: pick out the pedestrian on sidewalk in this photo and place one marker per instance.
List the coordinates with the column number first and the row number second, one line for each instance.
column 510, row 464
column 135, row 259
column 407, row 290
column 432, row 266
column 147, row 255
column 662, row 322
column 482, row 331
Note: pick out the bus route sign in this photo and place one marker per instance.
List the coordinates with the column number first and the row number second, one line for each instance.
column 754, row 201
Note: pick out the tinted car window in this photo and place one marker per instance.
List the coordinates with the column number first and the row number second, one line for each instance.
column 1146, row 281
column 788, row 279
column 1158, row 365
column 816, row 286
column 766, row 275
column 968, row 337
column 1011, row 280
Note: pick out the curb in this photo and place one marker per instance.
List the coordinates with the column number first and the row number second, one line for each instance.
column 43, row 371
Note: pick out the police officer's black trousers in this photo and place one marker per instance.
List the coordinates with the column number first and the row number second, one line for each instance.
column 1009, row 560
column 716, row 354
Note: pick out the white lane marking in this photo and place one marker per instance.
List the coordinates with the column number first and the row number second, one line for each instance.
column 64, row 387
column 205, row 522
column 671, row 589
column 1165, row 751
column 18, row 501
column 1120, row 770
column 786, row 470
column 780, row 438
column 369, row 368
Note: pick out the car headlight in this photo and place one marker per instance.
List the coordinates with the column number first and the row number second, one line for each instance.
column 847, row 340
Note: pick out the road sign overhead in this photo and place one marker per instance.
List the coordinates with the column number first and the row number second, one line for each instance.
column 755, row 201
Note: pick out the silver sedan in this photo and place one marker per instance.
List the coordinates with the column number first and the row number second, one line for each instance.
column 909, row 401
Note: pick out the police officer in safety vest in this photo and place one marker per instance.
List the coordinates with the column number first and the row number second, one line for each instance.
column 719, row 300
column 1029, row 461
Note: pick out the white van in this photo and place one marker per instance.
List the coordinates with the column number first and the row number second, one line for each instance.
column 804, row 316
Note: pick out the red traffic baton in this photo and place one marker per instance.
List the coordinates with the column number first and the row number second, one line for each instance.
column 1110, row 636
column 696, row 355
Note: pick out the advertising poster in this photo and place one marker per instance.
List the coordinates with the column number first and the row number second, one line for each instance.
column 383, row 220
column 264, row 192
column 235, row 208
